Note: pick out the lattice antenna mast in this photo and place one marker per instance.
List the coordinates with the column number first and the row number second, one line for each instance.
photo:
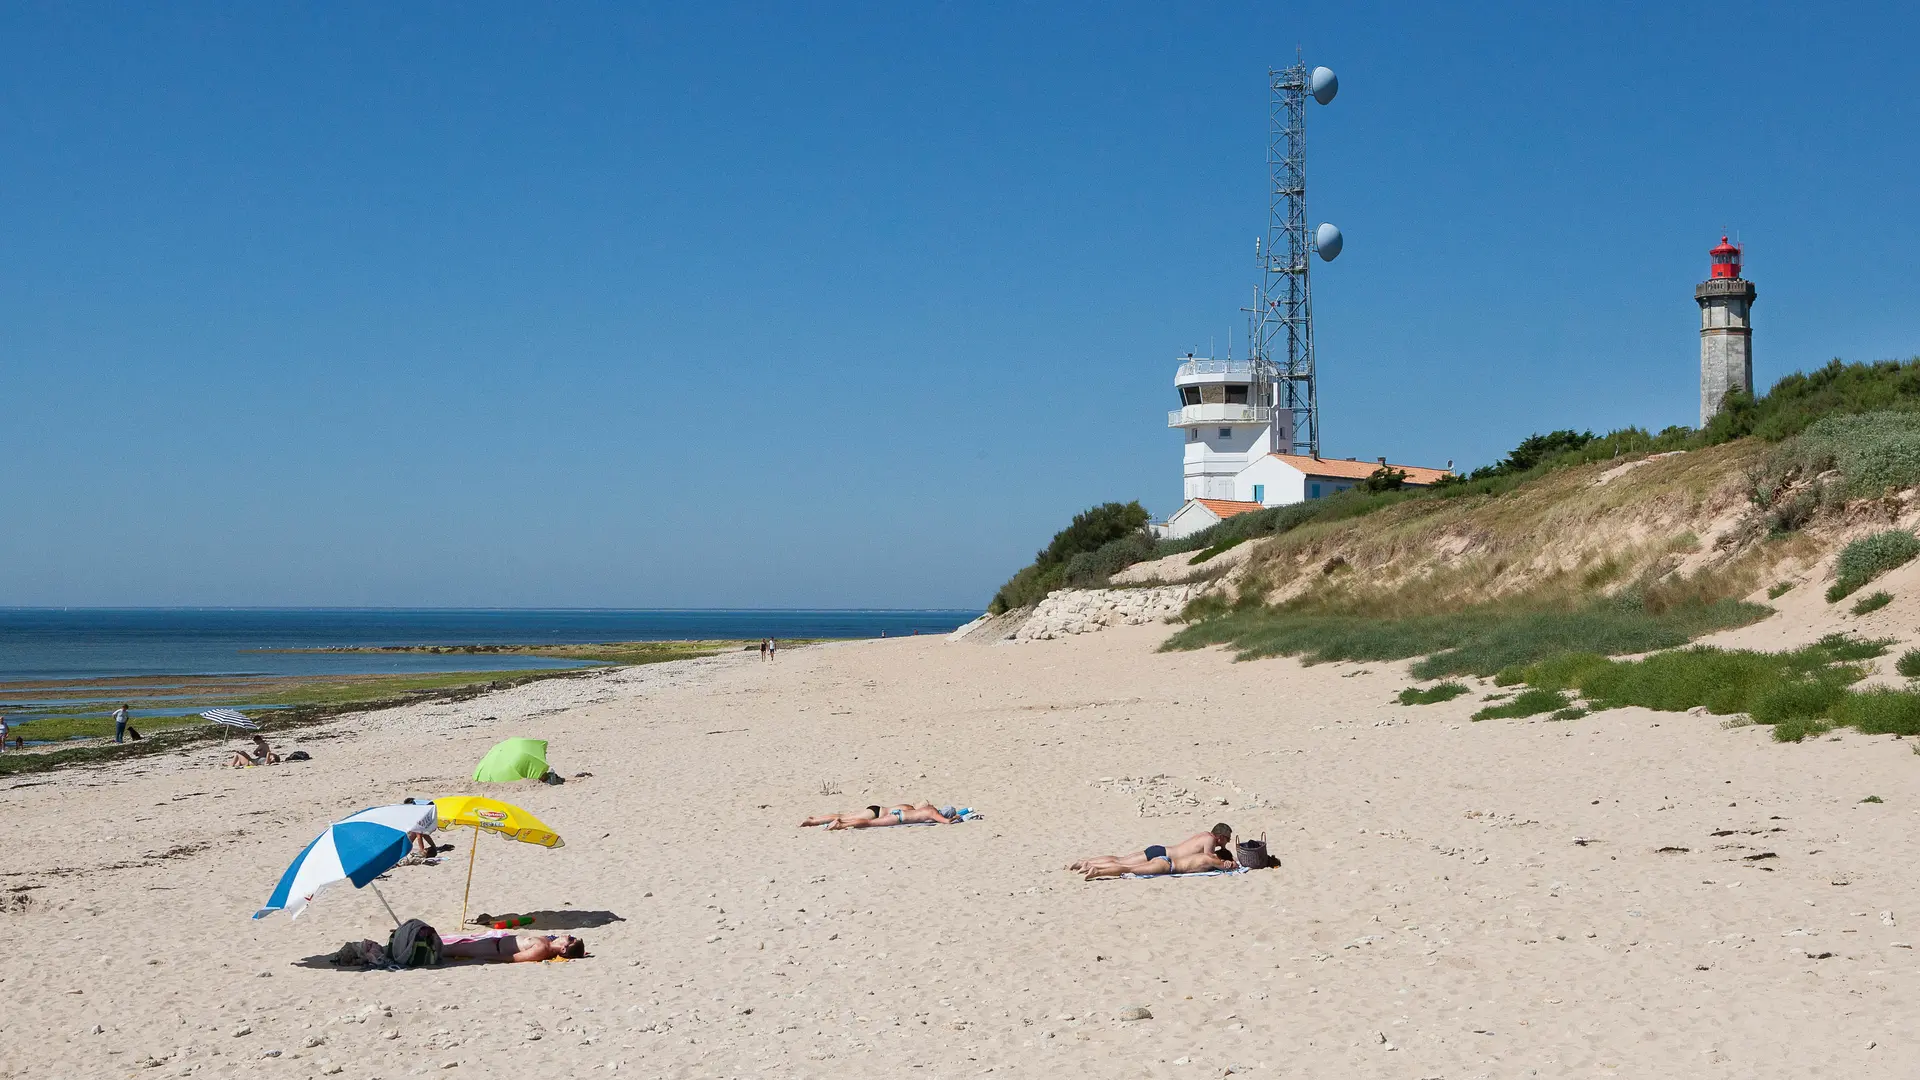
column 1283, row 323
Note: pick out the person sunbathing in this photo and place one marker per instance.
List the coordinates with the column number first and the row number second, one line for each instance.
column 1220, row 835
column 261, row 754
column 874, row 817
column 1197, row 863
column 516, row 948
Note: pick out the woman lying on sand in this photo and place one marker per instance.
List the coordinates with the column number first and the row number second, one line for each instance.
column 874, row 817
column 516, row 948
column 1220, row 836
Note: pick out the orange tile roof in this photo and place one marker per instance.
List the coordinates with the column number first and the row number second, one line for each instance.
column 1343, row 469
column 1226, row 508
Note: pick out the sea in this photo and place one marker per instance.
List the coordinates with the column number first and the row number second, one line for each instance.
column 82, row 645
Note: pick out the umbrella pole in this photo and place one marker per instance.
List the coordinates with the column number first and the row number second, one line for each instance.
column 471, row 852
column 383, row 903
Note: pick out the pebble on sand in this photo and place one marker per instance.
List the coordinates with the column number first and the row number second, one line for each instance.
column 1138, row 1012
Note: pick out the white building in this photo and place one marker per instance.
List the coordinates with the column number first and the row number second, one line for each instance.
column 1238, row 449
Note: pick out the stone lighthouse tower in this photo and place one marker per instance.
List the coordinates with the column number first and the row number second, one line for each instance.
column 1726, row 330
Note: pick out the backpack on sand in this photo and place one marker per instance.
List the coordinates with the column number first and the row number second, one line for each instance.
column 414, row 944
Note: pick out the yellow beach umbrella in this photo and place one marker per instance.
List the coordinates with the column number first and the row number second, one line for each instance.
column 503, row 819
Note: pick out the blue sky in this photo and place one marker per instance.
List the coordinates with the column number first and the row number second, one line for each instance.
column 717, row 305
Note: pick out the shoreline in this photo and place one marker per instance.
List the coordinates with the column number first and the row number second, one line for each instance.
column 1632, row 893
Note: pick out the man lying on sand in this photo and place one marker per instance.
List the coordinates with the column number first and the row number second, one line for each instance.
column 1213, row 859
column 1219, row 837
column 874, row 817
column 516, row 948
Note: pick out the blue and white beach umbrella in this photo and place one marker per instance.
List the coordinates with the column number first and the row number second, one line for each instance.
column 359, row 849
column 230, row 718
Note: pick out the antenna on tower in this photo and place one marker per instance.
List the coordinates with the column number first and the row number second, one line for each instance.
column 1281, row 341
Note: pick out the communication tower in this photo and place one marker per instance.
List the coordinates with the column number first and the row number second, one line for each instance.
column 1282, row 333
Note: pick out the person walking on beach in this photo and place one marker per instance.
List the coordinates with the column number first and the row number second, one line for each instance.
column 766, row 646
column 3, row 733
column 120, row 724
column 772, row 648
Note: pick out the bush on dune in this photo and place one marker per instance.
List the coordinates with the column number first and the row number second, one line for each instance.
column 1869, row 557
column 1089, row 531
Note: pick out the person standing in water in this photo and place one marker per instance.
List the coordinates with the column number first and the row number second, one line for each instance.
column 120, row 724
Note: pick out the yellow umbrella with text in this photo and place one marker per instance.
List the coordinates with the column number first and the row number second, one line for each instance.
column 503, row 819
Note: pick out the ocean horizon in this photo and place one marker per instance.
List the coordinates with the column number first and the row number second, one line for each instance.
column 89, row 643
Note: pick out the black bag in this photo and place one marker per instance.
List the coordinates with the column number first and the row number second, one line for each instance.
column 1252, row 854
column 299, row 755
column 414, row 944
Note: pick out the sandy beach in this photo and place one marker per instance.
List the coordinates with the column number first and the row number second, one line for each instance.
column 1631, row 894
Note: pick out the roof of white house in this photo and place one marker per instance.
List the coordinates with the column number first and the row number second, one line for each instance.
column 1347, row 469
column 1226, row 508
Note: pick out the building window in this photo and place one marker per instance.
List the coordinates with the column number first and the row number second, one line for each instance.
column 1189, row 395
column 1260, row 493
column 1226, row 433
column 1236, row 395
column 1193, row 434
column 1313, row 491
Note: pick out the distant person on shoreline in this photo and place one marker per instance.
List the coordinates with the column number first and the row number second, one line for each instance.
column 876, row 817
column 773, row 648
column 1219, row 836
column 120, row 724
column 766, row 646
column 3, row 733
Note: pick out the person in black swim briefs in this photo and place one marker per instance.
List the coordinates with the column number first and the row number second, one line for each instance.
column 1220, row 836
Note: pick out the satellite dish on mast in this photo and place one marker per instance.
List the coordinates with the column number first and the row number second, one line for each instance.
column 1323, row 84
column 1328, row 241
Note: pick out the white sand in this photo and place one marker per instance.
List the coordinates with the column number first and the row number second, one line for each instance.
column 1435, row 916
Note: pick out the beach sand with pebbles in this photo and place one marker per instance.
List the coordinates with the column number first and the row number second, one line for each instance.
column 1631, row 894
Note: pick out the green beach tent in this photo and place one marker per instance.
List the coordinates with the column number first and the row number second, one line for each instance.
column 513, row 759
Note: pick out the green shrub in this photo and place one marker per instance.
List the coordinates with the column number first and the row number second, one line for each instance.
column 1383, row 479
column 1573, row 713
column 1432, row 695
column 1530, row 702
column 1874, row 452
column 1881, row 711
column 1873, row 799
column 1779, row 590
column 1908, row 664
column 1089, row 531
column 1869, row 557
column 1091, row 569
column 1799, row 728
column 1874, row 602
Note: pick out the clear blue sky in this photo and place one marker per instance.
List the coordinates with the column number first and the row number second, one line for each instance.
column 712, row 305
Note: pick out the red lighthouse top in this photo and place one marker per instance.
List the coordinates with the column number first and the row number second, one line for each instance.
column 1726, row 260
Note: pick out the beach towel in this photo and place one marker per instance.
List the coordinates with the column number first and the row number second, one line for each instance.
column 1196, row 873
column 965, row 813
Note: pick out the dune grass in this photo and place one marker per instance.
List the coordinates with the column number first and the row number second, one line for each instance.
column 1432, row 695
column 1869, row 557
column 1908, row 664
column 1529, row 702
column 1477, row 641
column 1799, row 693
column 1872, row 602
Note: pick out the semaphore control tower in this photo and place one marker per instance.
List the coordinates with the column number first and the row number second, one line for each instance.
column 1726, row 330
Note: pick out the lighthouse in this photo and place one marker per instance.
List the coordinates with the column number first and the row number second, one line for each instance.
column 1726, row 330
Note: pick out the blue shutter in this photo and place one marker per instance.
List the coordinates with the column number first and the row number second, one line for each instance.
column 1260, row 493
column 1316, row 492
